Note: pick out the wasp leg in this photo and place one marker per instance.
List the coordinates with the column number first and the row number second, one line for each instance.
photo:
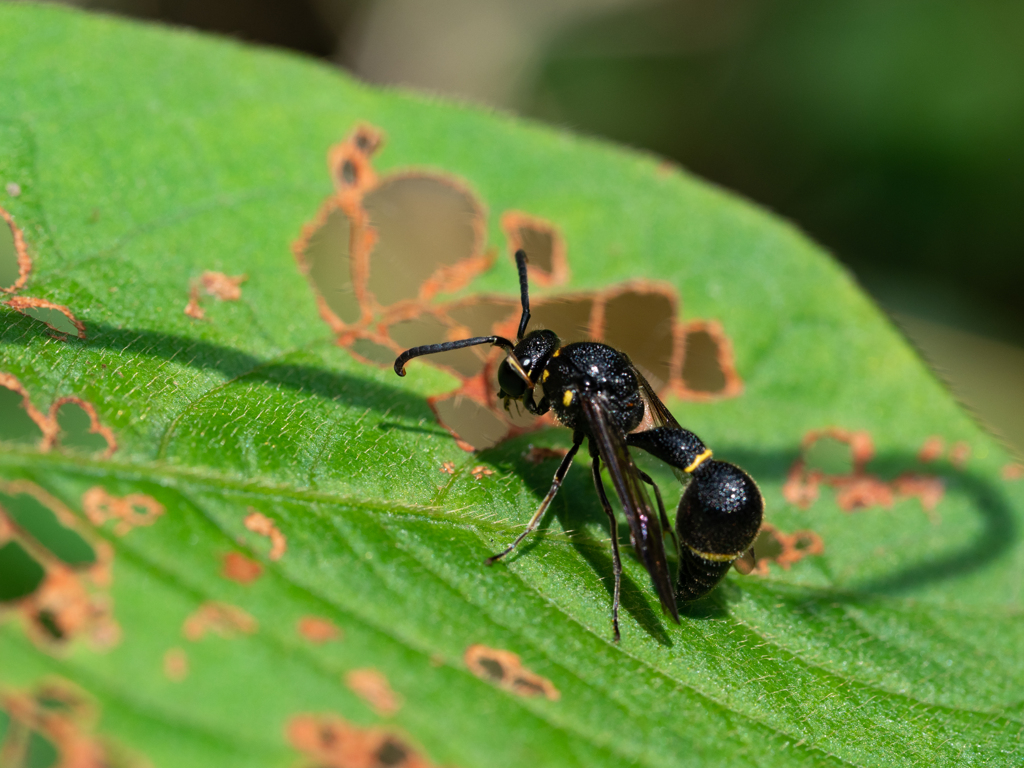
column 616, row 562
column 556, row 483
column 661, row 508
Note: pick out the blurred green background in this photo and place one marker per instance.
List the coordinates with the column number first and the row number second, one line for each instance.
column 891, row 132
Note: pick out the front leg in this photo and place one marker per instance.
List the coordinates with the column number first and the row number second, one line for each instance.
column 537, row 409
column 556, row 483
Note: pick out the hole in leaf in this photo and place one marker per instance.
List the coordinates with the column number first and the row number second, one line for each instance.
column 567, row 316
column 391, row 753
column 76, row 429
column 766, row 546
column 42, row 524
column 469, row 421
column 16, row 425
column 40, row 752
column 544, row 247
column 348, row 172
column 829, row 456
column 48, row 622
column 493, row 669
column 702, row 371
column 326, row 255
column 20, row 574
column 53, row 317
column 539, row 246
column 10, row 269
column 481, row 317
column 422, row 225
column 642, row 324
column 374, row 352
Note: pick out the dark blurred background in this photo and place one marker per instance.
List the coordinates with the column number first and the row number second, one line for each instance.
column 892, row 132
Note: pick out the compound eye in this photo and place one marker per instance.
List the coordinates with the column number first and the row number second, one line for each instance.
column 511, row 383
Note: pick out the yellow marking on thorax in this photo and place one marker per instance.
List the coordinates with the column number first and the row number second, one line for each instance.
column 699, row 460
column 556, row 353
column 545, row 376
column 567, row 398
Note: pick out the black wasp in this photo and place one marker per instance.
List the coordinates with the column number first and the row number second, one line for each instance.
column 598, row 393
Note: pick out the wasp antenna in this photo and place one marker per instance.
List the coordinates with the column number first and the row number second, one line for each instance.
column 447, row 346
column 524, row 293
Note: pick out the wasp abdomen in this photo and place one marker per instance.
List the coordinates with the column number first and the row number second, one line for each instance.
column 697, row 575
column 717, row 521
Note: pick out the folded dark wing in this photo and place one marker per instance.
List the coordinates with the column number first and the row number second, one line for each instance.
column 660, row 415
column 610, row 442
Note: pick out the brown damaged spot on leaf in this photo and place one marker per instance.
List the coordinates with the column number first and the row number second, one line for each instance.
column 55, row 572
column 57, row 317
column 194, row 309
column 318, row 630
column 239, row 568
column 217, row 284
column 349, row 163
column 131, row 511
column 959, row 454
column 221, row 619
column 221, row 286
column 931, row 450
column 822, row 463
column 505, row 670
column 15, row 263
column 176, row 664
column 262, row 525
column 784, row 549
column 381, row 248
column 373, row 687
column 54, row 724
column 543, row 244
column 327, row 741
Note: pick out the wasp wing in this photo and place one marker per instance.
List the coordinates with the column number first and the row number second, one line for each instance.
column 660, row 415
column 610, row 442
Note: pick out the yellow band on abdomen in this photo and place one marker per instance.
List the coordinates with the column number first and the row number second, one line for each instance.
column 698, row 461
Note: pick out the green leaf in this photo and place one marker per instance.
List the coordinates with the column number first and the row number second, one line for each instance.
column 144, row 157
